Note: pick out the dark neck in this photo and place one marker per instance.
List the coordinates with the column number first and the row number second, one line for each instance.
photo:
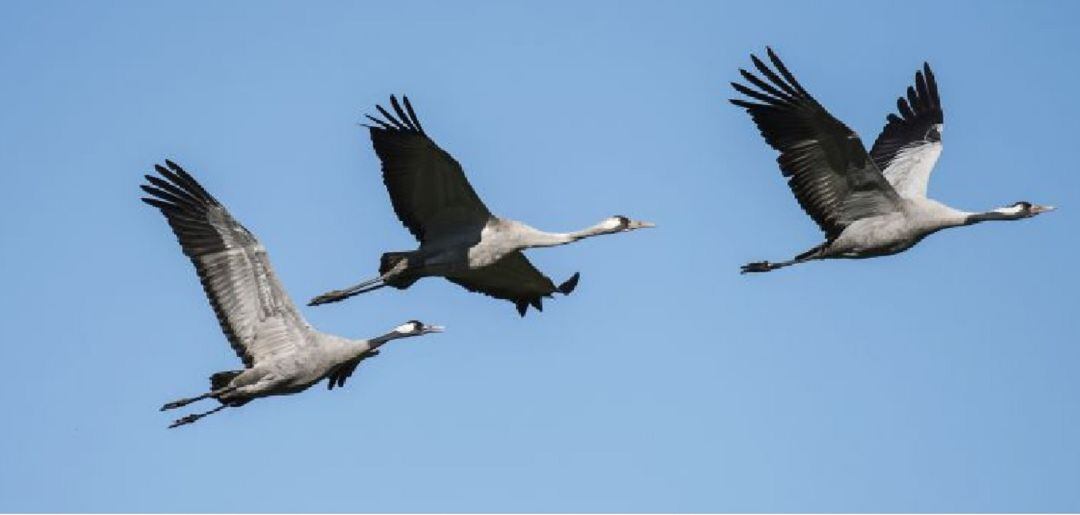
column 991, row 216
column 378, row 341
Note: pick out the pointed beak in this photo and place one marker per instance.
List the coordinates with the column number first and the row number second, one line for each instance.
column 638, row 224
column 1041, row 209
column 434, row 328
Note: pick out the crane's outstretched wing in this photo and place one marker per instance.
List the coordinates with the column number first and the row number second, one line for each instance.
column 515, row 279
column 427, row 187
column 824, row 161
column 338, row 376
column 257, row 316
column 909, row 146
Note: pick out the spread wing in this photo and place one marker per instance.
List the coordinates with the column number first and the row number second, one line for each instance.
column 515, row 279
column 910, row 144
column 257, row 316
column 338, row 376
column 825, row 163
column 427, row 187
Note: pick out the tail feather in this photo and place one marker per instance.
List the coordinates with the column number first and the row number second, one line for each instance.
column 571, row 283
column 391, row 259
column 222, row 379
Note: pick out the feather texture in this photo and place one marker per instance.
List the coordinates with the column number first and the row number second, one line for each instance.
column 825, row 163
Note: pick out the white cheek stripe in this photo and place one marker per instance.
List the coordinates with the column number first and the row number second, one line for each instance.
column 612, row 223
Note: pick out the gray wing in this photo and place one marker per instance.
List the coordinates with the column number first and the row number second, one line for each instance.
column 825, row 163
column 427, row 187
column 909, row 146
column 515, row 279
column 257, row 316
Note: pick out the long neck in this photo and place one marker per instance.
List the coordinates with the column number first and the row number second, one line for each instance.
column 1001, row 213
column 378, row 341
column 537, row 238
column 348, row 349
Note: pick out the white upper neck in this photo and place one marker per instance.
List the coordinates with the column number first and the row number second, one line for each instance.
column 536, row 238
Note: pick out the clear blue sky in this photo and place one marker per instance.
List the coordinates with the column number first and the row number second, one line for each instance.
column 941, row 379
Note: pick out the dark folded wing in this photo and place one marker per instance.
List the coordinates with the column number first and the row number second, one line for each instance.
column 909, row 146
column 515, row 279
column 257, row 316
column 427, row 187
column 824, row 161
column 338, row 376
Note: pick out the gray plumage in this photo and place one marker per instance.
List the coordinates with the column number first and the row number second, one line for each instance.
column 281, row 352
column 460, row 239
column 867, row 204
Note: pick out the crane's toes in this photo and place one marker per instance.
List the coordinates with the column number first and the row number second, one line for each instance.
column 174, row 404
column 326, row 298
column 184, row 420
column 758, row 266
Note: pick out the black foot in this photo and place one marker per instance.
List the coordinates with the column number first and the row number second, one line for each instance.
column 759, row 266
column 175, row 404
column 184, row 420
column 326, row 298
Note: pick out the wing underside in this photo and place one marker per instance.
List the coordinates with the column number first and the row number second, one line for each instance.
column 825, row 162
column 428, row 188
column 515, row 279
column 256, row 315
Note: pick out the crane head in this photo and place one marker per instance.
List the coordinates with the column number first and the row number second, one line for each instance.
column 417, row 328
column 1024, row 209
column 620, row 223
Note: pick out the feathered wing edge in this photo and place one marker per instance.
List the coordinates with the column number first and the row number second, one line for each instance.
column 186, row 204
column 915, row 113
column 406, row 120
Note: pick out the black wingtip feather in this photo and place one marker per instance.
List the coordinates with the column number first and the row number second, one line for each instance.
column 401, row 113
column 402, row 119
column 157, row 203
column 785, row 72
column 381, row 124
column 742, row 103
column 390, row 118
column 567, row 287
column 412, row 114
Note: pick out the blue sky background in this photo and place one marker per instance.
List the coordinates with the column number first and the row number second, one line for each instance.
column 942, row 379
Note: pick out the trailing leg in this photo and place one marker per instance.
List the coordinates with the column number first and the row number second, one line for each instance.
column 765, row 266
column 196, row 416
column 184, row 402
column 391, row 266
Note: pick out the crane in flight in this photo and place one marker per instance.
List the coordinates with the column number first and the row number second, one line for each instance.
column 867, row 204
column 281, row 352
column 460, row 239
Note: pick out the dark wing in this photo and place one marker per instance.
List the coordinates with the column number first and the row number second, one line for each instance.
column 515, row 279
column 427, row 187
column 910, row 144
column 257, row 316
column 338, row 376
column 824, row 161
